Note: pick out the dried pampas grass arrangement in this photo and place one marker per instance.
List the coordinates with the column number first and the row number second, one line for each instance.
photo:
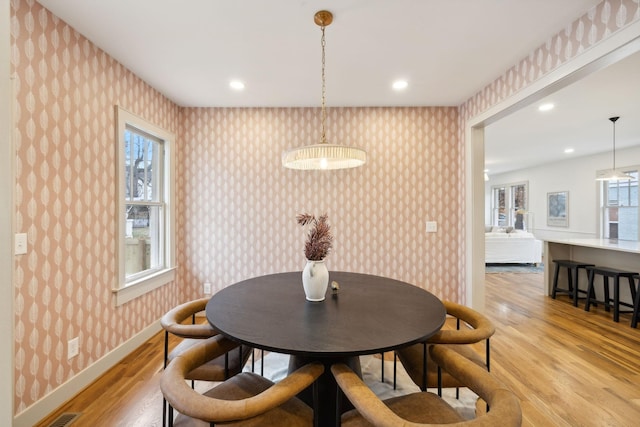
column 319, row 240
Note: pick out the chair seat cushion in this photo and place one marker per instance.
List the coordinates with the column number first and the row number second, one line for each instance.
column 416, row 407
column 293, row 413
column 181, row 347
column 214, row 370
column 412, row 358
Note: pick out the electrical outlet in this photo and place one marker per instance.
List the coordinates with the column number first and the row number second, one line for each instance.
column 207, row 287
column 20, row 244
column 432, row 226
column 72, row 348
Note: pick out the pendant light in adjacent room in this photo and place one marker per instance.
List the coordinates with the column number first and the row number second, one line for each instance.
column 613, row 174
column 323, row 155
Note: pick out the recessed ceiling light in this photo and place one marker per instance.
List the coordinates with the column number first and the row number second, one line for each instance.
column 546, row 107
column 569, row 150
column 400, row 84
column 236, row 84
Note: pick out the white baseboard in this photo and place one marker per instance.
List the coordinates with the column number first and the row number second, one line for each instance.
column 45, row 406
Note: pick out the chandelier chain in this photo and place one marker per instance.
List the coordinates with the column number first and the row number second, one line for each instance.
column 614, row 145
column 614, row 120
column 323, row 137
column 324, row 156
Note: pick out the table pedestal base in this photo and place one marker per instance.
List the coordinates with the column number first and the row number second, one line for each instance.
column 328, row 408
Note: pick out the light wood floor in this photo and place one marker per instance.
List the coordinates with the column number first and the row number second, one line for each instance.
column 568, row 367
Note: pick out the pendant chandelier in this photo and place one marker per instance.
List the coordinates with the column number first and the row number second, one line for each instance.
column 613, row 174
column 323, row 155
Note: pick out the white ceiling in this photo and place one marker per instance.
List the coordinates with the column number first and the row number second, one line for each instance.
column 447, row 50
column 580, row 120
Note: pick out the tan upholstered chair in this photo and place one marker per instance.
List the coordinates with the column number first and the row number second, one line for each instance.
column 217, row 369
column 425, row 408
column 246, row 399
column 173, row 323
column 471, row 327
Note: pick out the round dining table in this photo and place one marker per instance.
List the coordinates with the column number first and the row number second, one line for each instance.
column 367, row 315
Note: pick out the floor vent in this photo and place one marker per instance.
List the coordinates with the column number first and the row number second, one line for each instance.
column 65, row 420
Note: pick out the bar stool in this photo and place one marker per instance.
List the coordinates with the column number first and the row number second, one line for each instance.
column 572, row 276
column 616, row 274
column 636, row 305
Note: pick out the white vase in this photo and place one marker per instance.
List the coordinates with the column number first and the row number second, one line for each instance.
column 315, row 279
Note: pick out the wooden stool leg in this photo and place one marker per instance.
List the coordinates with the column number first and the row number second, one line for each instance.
column 607, row 299
column 570, row 280
column 590, row 291
column 573, row 285
column 616, row 299
column 592, row 294
column 636, row 309
column 555, row 281
column 632, row 287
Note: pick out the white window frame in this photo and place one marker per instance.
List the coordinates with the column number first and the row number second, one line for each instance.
column 509, row 203
column 124, row 290
column 603, row 204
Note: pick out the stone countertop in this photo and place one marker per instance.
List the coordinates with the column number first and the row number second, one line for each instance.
column 610, row 244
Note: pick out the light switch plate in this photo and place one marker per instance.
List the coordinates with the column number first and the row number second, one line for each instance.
column 20, row 244
column 432, row 226
column 207, row 288
column 72, row 348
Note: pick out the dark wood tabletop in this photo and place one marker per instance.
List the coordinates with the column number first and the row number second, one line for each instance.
column 369, row 314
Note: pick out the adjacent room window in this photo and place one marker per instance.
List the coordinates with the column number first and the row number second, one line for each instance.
column 509, row 205
column 145, row 195
column 619, row 208
column 499, row 206
column 518, row 209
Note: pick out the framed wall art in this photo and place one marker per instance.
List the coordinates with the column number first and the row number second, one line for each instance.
column 558, row 209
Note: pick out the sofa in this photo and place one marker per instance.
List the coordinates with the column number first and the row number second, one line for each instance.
column 505, row 245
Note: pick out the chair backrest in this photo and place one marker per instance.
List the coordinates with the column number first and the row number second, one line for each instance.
column 474, row 327
column 172, row 320
column 193, row 404
column 481, row 327
column 505, row 407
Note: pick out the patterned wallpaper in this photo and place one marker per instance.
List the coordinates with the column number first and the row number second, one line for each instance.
column 236, row 205
column 66, row 89
column 240, row 203
column 596, row 25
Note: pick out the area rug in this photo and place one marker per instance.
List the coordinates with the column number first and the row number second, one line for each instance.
column 514, row 268
column 276, row 365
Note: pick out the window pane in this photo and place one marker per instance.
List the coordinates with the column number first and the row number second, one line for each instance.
column 611, row 223
column 519, row 200
column 151, row 171
column 612, row 199
column 499, row 207
column 620, row 213
column 127, row 165
column 141, row 163
column 148, row 171
column 628, row 223
column 142, row 244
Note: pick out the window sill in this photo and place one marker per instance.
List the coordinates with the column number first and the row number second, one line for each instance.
column 142, row 286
